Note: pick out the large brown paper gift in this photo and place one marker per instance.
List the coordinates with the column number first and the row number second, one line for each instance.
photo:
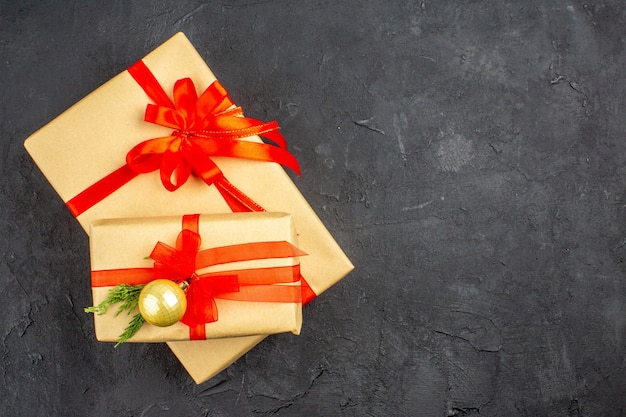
column 119, row 249
column 91, row 139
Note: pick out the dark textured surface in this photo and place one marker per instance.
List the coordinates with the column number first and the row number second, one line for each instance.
column 470, row 158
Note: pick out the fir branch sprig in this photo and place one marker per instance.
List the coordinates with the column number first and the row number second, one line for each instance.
column 132, row 328
column 121, row 293
column 128, row 295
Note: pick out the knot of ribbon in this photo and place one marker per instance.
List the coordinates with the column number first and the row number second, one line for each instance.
column 204, row 126
column 183, row 261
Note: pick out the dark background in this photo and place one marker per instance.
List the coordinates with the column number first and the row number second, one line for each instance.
column 468, row 156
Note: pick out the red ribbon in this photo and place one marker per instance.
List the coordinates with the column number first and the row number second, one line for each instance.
column 181, row 262
column 204, row 126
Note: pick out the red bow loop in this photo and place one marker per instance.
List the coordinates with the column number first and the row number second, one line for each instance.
column 177, row 263
column 214, row 101
column 182, row 116
column 201, row 296
column 175, row 168
column 146, row 156
column 201, row 308
column 165, row 116
column 185, row 99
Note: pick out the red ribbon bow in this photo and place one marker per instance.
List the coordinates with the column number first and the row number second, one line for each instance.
column 182, row 262
column 179, row 264
column 204, row 126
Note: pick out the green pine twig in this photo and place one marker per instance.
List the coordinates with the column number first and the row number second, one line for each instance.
column 128, row 295
column 132, row 328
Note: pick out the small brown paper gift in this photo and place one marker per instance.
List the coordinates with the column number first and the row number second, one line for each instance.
column 91, row 139
column 119, row 249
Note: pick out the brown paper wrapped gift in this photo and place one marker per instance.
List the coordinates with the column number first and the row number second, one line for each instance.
column 91, row 139
column 119, row 249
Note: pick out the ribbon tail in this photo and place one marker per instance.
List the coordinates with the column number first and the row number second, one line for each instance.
column 307, row 292
column 235, row 198
column 215, row 144
column 265, row 294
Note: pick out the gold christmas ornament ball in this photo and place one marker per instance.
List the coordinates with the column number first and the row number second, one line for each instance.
column 162, row 302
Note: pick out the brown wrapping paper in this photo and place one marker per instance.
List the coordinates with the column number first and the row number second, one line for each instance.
column 91, row 139
column 125, row 243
